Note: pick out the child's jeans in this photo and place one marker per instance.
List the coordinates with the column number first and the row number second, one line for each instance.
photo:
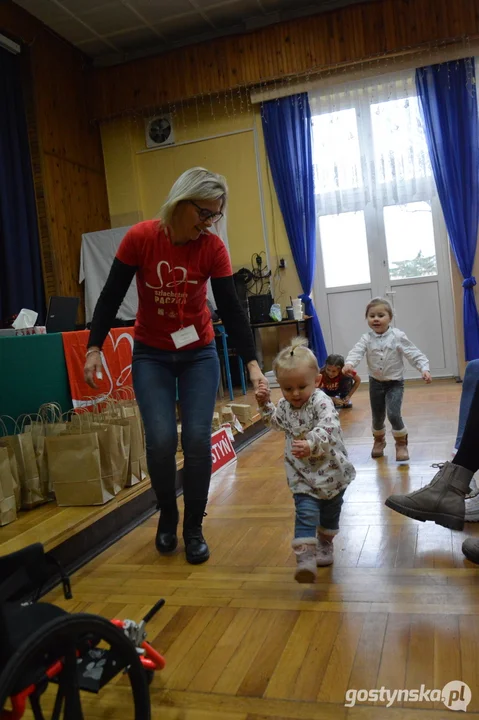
column 386, row 396
column 313, row 513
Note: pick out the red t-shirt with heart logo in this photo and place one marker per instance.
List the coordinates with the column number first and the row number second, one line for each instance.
column 172, row 282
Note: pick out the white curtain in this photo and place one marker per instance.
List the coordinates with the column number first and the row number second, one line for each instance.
column 98, row 250
column 369, row 145
column 374, row 186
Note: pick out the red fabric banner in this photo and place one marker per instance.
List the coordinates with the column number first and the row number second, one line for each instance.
column 222, row 450
column 116, row 357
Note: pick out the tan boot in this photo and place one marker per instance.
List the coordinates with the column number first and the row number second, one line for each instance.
column 305, row 551
column 470, row 548
column 325, row 551
column 402, row 453
column 442, row 501
column 379, row 443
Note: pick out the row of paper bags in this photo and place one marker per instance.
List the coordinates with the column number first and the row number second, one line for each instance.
column 81, row 459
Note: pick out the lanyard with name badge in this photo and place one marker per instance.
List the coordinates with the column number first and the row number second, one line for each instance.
column 185, row 335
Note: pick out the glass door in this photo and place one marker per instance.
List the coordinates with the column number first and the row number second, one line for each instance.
column 380, row 228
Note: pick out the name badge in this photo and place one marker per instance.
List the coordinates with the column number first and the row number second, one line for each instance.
column 185, row 336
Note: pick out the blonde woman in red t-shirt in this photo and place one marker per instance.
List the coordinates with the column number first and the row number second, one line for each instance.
column 173, row 259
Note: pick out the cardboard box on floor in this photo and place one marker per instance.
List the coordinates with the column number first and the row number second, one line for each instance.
column 227, row 415
column 243, row 412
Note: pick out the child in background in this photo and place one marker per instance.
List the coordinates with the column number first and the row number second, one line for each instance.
column 385, row 348
column 338, row 386
column 317, row 465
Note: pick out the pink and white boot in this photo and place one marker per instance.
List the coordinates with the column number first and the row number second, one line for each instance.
column 305, row 551
column 325, row 551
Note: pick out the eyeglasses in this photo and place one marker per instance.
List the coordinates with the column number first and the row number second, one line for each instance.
column 204, row 214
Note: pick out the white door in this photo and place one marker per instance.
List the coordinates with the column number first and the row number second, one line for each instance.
column 380, row 228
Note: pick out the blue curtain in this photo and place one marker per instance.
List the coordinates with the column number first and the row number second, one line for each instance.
column 21, row 281
column 447, row 94
column 287, row 134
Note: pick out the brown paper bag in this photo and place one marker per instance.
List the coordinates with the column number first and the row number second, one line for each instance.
column 74, row 465
column 50, row 430
column 4, row 443
column 29, row 478
column 139, row 471
column 114, row 443
column 32, row 491
column 124, row 451
column 124, row 406
column 8, row 506
column 39, row 427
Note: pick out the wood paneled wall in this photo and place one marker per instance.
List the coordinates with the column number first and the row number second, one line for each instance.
column 66, row 148
column 348, row 35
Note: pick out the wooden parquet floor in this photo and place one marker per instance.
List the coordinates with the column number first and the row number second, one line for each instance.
column 243, row 641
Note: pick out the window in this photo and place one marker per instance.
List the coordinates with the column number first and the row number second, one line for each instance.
column 410, row 240
column 345, row 249
column 374, row 184
column 336, row 143
column 400, row 149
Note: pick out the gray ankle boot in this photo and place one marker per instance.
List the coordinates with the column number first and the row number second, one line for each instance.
column 470, row 548
column 442, row 501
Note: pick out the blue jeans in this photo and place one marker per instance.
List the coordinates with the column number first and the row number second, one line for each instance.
column 155, row 375
column 312, row 513
column 469, row 385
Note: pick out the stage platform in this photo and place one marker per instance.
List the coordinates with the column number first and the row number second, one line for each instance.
column 76, row 534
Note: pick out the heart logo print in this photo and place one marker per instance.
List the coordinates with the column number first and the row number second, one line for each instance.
column 169, row 277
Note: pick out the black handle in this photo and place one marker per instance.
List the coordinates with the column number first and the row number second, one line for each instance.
column 151, row 613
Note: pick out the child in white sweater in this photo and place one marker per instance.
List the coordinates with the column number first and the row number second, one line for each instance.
column 385, row 348
column 317, row 465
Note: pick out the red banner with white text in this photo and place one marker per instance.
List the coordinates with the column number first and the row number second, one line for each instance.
column 222, row 450
column 116, row 358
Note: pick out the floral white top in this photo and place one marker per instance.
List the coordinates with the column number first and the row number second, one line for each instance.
column 327, row 471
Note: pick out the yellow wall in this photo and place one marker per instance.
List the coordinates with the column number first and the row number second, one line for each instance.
column 139, row 181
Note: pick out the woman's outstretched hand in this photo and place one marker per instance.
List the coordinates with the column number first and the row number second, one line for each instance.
column 256, row 376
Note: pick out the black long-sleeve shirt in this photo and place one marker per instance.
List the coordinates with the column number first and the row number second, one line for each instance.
column 229, row 309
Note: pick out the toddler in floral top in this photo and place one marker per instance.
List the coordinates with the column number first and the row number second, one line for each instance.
column 317, row 465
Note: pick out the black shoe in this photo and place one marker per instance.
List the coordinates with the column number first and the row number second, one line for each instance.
column 196, row 549
column 166, row 538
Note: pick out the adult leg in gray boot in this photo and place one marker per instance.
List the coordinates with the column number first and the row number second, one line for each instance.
column 442, row 501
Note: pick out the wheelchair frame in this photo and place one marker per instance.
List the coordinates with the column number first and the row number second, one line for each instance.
column 149, row 659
